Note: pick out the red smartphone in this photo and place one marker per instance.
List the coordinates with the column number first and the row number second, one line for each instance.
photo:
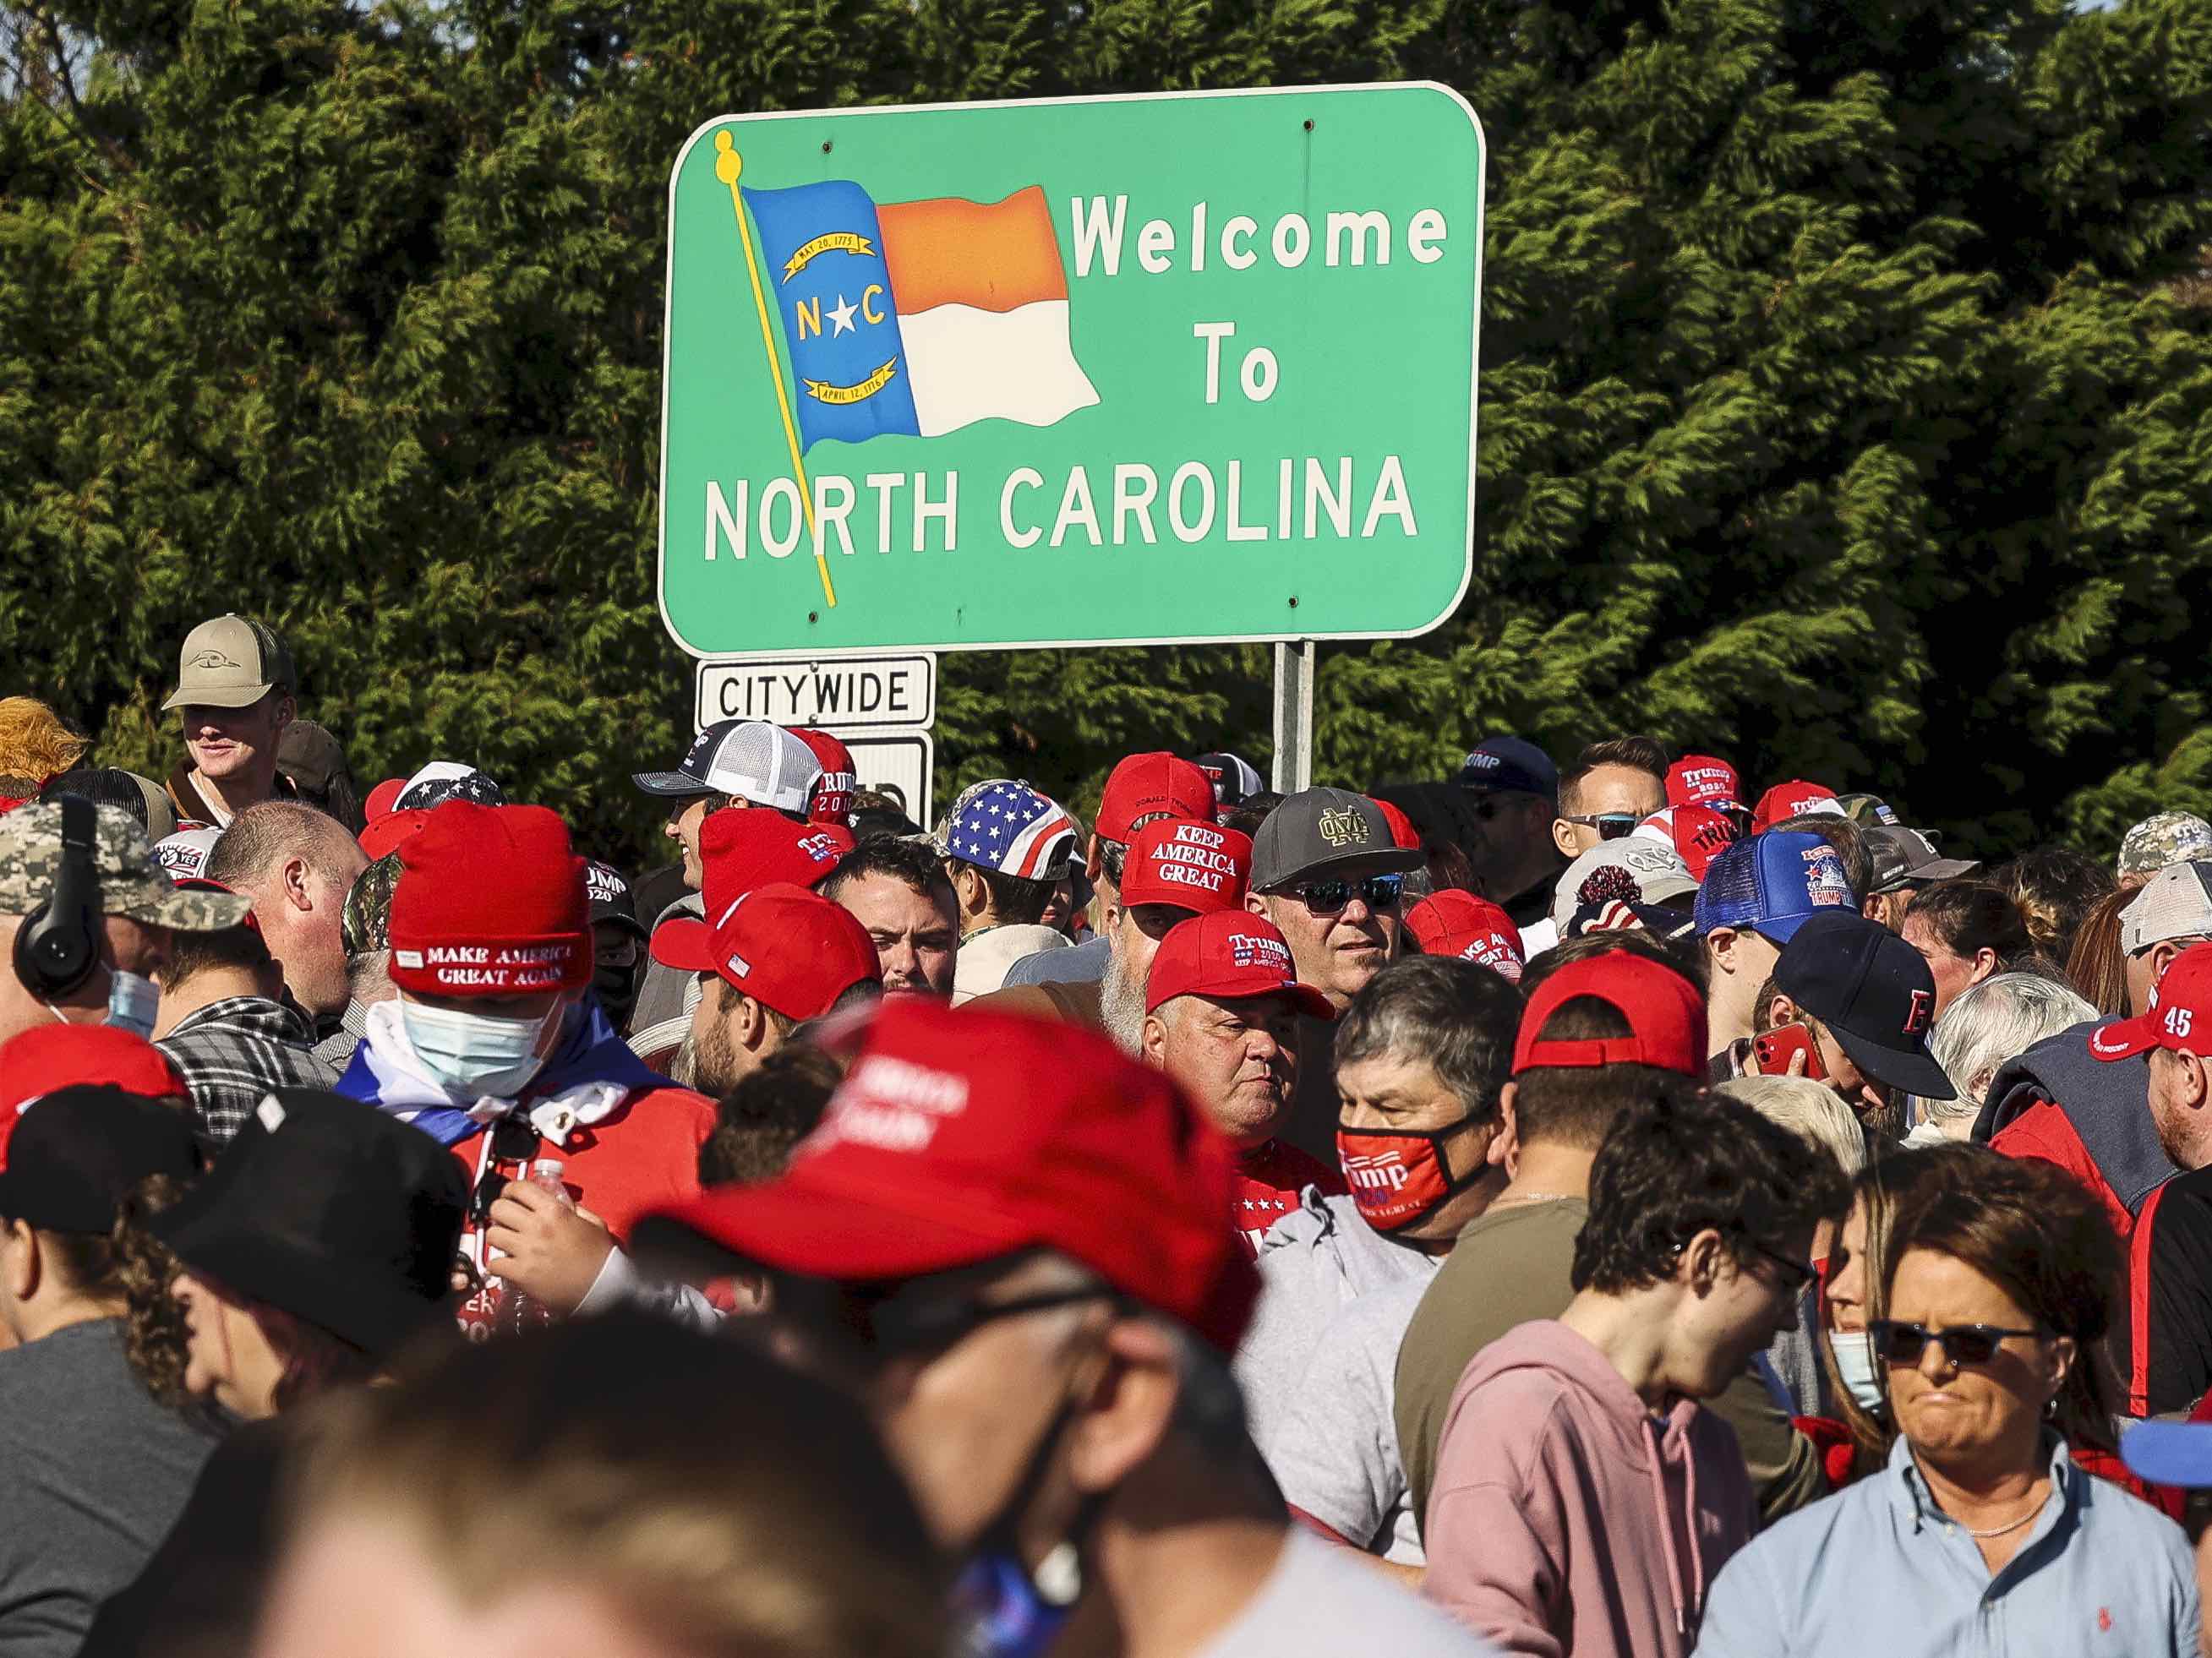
column 1772, row 1051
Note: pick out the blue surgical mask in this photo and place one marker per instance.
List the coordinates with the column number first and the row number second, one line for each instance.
column 474, row 1056
column 132, row 1003
column 1853, row 1351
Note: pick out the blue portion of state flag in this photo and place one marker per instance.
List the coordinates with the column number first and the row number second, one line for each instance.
column 822, row 270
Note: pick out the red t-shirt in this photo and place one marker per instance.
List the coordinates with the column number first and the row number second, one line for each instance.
column 642, row 1157
column 1269, row 1177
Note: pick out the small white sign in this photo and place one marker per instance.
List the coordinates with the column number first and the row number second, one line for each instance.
column 831, row 693
column 897, row 762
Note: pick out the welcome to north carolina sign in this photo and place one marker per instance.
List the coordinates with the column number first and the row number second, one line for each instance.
column 1100, row 371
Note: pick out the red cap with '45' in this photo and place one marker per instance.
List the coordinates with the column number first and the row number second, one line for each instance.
column 2179, row 1015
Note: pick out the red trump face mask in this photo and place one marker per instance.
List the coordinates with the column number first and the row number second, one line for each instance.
column 1399, row 1177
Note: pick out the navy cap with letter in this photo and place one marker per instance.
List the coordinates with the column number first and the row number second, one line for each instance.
column 1875, row 993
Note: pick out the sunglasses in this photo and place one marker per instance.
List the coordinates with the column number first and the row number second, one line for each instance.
column 512, row 1140
column 878, row 1325
column 1963, row 1343
column 1609, row 825
column 1326, row 897
column 1796, row 1274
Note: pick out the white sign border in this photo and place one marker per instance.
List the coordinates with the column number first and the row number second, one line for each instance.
column 705, row 664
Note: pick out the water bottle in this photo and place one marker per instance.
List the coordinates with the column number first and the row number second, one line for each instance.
column 519, row 1312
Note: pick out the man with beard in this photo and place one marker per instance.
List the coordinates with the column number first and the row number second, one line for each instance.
column 1176, row 868
column 1328, row 874
column 1221, row 1008
column 776, row 957
column 1868, row 1000
column 899, row 891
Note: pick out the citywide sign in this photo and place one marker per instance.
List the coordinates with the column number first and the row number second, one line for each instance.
column 1165, row 368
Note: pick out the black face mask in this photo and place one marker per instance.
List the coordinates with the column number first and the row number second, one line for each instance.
column 617, row 989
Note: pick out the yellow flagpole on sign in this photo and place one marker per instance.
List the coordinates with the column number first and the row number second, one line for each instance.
column 727, row 165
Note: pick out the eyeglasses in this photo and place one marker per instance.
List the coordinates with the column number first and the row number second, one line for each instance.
column 1798, row 1274
column 1963, row 1343
column 878, row 1325
column 1609, row 825
column 1326, row 897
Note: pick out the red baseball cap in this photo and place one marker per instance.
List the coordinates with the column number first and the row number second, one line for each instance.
column 1403, row 835
column 35, row 1063
column 832, row 799
column 2179, row 1016
column 1698, row 833
column 1455, row 922
column 382, row 799
column 742, row 848
column 1666, row 1017
column 1195, row 865
column 1792, row 800
column 960, row 1137
column 390, row 831
column 1230, row 953
column 1143, row 786
column 783, row 945
column 1703, row 779
column 490, row 903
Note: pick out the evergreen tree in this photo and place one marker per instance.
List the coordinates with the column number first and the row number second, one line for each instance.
column 1846, row 379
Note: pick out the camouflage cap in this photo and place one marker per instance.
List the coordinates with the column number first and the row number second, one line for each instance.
column 366, row 925
column 128, row 878
column 2170, row 837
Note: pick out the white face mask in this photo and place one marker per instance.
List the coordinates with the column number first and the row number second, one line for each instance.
column 133, row 1004
column 475, row 1055
column 1855, row 1364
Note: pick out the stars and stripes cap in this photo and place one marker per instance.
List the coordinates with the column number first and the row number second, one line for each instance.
column 764, row 764
column 1004, row 824
column 960, row 1137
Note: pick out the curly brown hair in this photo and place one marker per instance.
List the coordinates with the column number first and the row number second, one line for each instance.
column 125, row 1264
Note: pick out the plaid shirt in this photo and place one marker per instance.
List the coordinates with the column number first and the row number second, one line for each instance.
column 233, row 1052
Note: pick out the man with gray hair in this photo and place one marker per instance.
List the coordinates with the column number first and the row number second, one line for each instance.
column 85, row 917
column 1422, row 1055
column 1008, row 1238
column 295, row 866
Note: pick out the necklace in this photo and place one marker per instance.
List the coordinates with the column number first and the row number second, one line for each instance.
column 1999, row 1531
column 1534, row 1197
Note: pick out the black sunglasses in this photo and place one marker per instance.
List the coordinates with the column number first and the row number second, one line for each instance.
column 512, row 1140
column 1798, row 1274
column 1327, row 896
column 880, row 1324
column 1609, row 825
column 1963, row 1343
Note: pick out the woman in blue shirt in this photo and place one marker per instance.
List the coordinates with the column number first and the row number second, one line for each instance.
column 1981, row 1536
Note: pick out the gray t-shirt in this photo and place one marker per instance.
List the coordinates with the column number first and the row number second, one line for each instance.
column 93, row 1474
column 1078, row 964
column 1322, row 1601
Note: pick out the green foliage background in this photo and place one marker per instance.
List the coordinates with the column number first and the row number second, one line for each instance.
column 1847, row 380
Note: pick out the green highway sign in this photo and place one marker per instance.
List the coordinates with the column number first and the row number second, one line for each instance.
column 1167, row 368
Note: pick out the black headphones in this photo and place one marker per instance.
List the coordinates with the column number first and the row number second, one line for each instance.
column 57, row 946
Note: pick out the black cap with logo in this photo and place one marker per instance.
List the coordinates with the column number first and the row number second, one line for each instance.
column 78, row 1152
column 1873, row 990
column 1316, row 829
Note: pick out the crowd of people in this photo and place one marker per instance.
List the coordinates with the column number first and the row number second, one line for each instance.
column 1600, row 1210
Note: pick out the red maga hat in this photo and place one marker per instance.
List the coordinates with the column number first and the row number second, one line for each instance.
column 1698, row 833
column 832, row 799
column 1454, row 922
column 1143, row 786
column 390, row 831
column 961, row 1137
column 490, row 903
column 1196, row 865
column 783, row 945
column 1403, row 835
column 1792, row 800
column 1229, row 954
column 1666, row 1017
column 1703, row 779
column 46, row 1058
column 742, row 849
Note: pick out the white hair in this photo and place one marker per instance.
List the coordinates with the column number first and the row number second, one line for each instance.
column 1990, row 1024
column 1811, row 1110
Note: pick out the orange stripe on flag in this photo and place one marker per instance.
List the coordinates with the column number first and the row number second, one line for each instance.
column 994, row 256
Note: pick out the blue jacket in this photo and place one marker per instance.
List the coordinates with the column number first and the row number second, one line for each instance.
column 1880, row 1569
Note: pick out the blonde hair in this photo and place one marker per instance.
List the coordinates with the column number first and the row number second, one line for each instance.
column 34, row 743
column 1811, row 1110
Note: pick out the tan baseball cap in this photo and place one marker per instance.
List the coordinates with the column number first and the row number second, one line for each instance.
column 232, row 662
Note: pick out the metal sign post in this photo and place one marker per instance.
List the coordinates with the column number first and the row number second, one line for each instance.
column 1294, row 692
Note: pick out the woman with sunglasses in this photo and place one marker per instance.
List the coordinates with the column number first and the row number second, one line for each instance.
column 1982, row 1532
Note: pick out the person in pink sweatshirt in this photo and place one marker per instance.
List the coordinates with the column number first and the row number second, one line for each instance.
column 1583, row 1499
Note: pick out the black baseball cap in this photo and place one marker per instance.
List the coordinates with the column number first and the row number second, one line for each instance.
column 1873, row 990
column 612, row 897
column 1318, row 830
column 78, row 1152
column 1510, row 765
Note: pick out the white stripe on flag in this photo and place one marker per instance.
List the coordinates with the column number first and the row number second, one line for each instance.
column 966, row 365
column 1029, row 853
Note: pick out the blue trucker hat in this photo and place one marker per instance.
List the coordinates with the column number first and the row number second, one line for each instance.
column 1509, row 763
column 1772, row 884
column 2169, row 1453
